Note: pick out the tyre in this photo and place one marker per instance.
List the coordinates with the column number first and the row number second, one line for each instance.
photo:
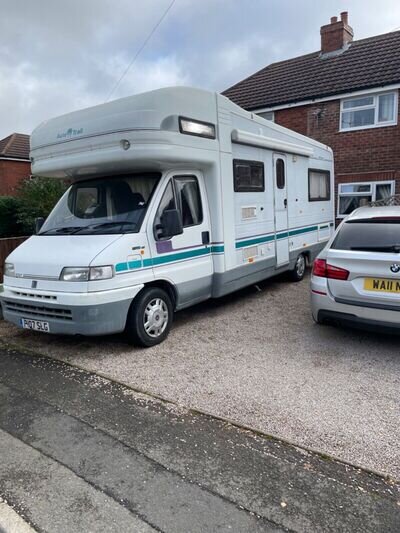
column 150, row 317
column 297, row 274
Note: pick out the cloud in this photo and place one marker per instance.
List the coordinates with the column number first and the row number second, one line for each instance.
column 59, row 56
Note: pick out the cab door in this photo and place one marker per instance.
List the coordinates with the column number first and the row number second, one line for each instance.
column 281, row 209
column 183, row 259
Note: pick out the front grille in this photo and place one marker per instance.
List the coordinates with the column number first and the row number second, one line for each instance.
column 36, row 296
column 38, row 311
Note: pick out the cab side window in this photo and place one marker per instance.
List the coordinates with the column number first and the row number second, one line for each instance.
column 182, row 193
column 167, row 202
column 189, row 201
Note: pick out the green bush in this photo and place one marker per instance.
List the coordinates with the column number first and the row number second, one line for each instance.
column 9, row 225
column 36, row 198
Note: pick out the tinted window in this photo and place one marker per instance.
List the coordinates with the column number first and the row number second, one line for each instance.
column 319, row 185
column 280, row 173
column 369, row 235
column 248, row 176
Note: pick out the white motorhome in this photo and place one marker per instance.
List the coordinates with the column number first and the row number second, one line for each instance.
column 177, row 195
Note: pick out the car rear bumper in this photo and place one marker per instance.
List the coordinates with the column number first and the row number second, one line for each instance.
column 352, row 313
column 347, row 319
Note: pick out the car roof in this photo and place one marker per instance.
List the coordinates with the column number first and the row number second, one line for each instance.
column 375, row 212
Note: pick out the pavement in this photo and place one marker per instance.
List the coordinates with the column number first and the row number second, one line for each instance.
column 81, row 453
column 257, row 358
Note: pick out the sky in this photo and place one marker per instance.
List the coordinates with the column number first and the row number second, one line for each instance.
column 58, row 56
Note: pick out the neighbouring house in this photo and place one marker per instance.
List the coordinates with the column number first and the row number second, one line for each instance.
column 15, row 164
column 346, row 96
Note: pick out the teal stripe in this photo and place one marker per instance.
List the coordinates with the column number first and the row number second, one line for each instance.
column 303, row 230
column 271, row 237
column 161, row 260
column 258, row 240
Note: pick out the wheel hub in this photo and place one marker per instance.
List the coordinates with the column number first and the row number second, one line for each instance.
column 155, row 317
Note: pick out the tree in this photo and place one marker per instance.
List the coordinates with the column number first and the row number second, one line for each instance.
column 36, row 198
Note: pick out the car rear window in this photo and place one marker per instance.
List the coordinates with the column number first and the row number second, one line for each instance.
column 369, row 235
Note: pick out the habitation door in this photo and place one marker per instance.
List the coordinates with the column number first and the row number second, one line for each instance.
column 281, row 209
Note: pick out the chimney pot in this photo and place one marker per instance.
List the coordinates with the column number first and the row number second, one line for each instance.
column 333, row 20
column 344, row 17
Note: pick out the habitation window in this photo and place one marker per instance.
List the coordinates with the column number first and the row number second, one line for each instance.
column 354, row 195
column 280, row 173
column 319, row 185
column 368, row 111
column 248, row 176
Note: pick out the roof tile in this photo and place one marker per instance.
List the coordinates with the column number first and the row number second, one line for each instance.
column 15, row 146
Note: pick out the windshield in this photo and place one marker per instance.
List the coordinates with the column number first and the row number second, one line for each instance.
column 115, row 204
column 369, row 235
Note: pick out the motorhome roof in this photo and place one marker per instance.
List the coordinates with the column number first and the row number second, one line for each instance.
column 152, row 110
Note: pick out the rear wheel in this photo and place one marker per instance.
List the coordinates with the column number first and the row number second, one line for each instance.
column 297, row 274
column 150, row 317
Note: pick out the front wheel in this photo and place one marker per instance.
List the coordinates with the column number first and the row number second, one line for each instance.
column 150, row 317
column 297, row 274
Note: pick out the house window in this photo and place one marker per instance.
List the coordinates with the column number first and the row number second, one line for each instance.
column 319, row 185
column 353, row 195
column 268, row 115
column 248, row 176
column 368, row 111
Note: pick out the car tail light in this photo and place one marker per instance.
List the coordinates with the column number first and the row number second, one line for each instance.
column 323, row 269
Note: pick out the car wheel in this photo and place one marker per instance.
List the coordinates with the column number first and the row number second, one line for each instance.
column 150, row 317
column 297, row 274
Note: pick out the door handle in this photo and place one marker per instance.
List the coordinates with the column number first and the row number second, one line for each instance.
column 285, row 202
column 205, row 237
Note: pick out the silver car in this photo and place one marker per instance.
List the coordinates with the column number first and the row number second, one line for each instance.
column 356, row 278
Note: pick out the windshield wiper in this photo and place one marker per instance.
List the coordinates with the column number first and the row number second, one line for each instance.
column 377, row 248
column 106, row 225
column 66, row 229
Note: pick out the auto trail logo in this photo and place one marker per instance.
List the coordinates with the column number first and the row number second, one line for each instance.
column 70, row 132
column 395, row 268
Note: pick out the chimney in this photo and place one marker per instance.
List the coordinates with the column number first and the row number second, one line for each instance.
column 337, row 34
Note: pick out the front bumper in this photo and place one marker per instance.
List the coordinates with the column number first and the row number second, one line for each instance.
column 79, row 314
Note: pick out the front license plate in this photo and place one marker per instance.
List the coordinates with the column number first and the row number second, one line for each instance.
column 37, row 325
column 382, row 285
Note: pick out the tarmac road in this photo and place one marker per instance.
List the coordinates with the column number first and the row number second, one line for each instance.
column 80, row 453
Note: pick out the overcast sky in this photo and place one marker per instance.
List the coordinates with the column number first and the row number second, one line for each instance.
column 58, row 56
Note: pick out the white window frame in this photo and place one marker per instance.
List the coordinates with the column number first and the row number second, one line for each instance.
column 374, row 105
column 373, row 185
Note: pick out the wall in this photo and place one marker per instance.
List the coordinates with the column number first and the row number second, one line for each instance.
column 11, row 173
column 365, row 155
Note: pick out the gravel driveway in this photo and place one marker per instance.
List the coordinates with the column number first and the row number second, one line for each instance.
column 257, row 358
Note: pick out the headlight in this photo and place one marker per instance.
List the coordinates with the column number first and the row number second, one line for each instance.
column 75, row 274
column 103, row 272
column 86, row 273
column 9, row 269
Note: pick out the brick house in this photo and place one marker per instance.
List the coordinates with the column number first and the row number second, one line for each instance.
column 346, row 96
column 14, row 162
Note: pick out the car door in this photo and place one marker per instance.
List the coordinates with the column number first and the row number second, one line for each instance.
column 281, row 209
column 184, row 259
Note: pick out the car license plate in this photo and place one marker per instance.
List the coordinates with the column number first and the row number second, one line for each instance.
column 37, row 325
column 382, row 285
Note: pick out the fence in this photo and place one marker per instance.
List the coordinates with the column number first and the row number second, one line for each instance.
column 6, row 247
column 391, row 200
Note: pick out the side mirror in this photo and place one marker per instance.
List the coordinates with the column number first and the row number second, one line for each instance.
column 38, row 224
column 171, row 223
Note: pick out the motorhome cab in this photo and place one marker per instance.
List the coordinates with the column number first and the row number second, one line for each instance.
column 177, row 196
